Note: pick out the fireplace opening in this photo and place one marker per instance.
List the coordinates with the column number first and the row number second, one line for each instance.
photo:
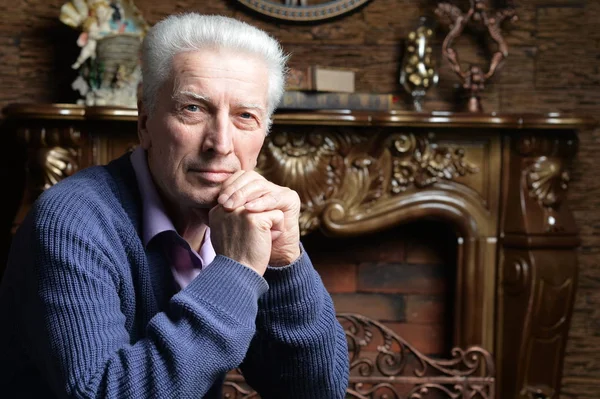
column 403, row 277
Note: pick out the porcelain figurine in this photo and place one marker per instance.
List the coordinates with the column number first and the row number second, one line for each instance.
column 110, row 35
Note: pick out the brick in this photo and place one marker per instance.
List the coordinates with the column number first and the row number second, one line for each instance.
column 338, row 278
column 428, row 309
column 386, row 246
column 404, row 278
column 429, row 339
column 380, row 307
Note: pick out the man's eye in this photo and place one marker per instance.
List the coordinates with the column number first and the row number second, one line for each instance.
column 246, row 115
column 192, row 108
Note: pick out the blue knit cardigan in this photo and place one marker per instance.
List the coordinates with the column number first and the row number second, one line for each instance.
column 86, row 311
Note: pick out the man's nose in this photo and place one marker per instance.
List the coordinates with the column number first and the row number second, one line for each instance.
column 219, row 135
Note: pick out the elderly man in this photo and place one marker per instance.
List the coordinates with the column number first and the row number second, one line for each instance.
column 155, row 275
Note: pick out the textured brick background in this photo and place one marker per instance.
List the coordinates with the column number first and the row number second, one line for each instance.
column 553, row 66
column 402, row 277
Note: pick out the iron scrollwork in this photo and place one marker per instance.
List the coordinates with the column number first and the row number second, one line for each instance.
column 384, row 365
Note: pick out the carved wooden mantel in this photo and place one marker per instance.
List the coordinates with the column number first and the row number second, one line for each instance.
column 500, row 179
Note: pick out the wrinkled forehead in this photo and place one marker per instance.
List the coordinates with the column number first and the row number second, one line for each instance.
column 206, row 65
column 223, row 58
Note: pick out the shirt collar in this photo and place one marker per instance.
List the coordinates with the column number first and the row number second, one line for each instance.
column 155, row 219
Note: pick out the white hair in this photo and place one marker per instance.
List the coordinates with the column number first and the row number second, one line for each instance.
column 191, row 32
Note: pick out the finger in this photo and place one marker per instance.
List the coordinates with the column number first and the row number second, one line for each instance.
column 231, row 180
column 229, row 186
column 277, row 220
column 246, row 190
column 263, row 203
column 275, row 234
column 272, row 221
column 282, row 198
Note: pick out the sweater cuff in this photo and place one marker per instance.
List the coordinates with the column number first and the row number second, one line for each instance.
column 292, row 284
column 229, row 286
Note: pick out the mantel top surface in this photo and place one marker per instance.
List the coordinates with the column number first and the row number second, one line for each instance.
column 328, row 117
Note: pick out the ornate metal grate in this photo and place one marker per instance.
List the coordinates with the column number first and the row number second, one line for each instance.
column 385, row 366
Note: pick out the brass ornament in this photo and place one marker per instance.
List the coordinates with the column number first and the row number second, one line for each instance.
column 418, row 72
column 301, row 10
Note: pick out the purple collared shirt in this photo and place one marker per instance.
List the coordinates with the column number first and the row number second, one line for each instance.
column 155, row 221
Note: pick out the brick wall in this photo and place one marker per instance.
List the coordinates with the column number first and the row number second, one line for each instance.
column 554, row 53
column 403, row 277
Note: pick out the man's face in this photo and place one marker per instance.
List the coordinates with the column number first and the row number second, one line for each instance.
column 210, row 121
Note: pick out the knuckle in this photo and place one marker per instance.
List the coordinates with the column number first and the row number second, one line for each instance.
column 258, row 220
column 294, row 194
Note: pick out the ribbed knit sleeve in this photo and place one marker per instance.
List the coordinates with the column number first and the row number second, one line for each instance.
column 81, row 296
column 300, row 349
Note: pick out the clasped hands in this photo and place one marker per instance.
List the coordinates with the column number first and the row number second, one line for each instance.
column 255, row 222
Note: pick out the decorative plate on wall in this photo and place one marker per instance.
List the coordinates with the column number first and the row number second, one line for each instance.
column 301, row 10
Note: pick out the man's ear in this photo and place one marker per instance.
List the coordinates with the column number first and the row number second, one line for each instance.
column 142, row 126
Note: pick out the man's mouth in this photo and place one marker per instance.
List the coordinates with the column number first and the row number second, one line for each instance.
column 214, row 176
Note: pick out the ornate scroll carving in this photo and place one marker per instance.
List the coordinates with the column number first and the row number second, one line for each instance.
column 546, row 174
column 57, row 163
column 422, row 163
column 535, row 309
column 517, row 276
column 384, row 365
column 547, row 181
column 323, row 166
column 54, row 155
column 340, row 174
